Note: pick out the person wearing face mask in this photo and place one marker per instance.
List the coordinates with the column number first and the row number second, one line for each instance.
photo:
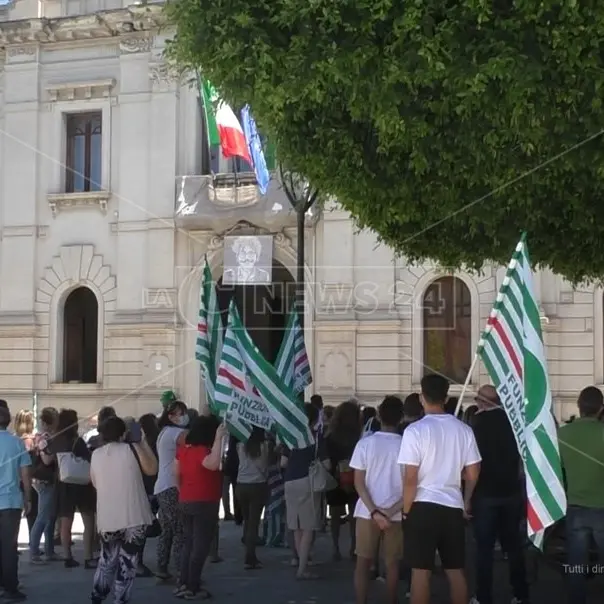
column 172, row 433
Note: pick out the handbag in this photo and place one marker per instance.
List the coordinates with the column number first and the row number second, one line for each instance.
column 153, row 530
column 320, row 478
column 73, row 469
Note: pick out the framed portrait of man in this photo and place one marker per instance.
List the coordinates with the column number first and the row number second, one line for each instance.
column 248, row 260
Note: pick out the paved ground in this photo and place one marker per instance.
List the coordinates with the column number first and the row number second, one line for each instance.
column 275, row 584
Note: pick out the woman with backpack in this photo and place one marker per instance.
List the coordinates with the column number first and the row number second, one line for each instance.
column 44, row 471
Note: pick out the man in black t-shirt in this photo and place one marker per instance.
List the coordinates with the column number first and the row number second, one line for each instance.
column 498, row 503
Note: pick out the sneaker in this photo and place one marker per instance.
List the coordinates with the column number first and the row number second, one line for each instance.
column 179, row 591
column 52, row 558
column 36, row 559
column 14, row 596
column 473, row 600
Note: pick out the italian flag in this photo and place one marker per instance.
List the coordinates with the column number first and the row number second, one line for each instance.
column 292, row 361
column 511, row 347
column 208, row 345
column 222, row 124
column 291, row 423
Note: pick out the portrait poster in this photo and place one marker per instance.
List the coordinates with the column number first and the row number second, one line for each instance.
column 248, row 260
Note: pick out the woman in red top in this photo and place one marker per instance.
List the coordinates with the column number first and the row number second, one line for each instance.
column 200, row 491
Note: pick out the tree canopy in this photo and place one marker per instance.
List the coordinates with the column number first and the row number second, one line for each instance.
column 448, row 127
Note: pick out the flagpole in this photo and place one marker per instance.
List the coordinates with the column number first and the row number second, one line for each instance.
column 466, row 384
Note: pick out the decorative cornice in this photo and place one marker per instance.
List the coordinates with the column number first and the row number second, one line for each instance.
column 86, row 90
column 17, row 51
column 91, row 199
column 136, row 44
column 103, row 24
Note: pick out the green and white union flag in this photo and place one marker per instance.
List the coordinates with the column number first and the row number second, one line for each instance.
column 511, row 347
column 292, row 361
column 235, row 390
column 291, row 423
column 208, row 345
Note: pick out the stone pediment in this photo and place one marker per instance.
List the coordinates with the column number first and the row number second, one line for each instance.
column 103, row 24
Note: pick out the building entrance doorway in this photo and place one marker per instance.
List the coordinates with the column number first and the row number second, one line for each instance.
column 263, row 308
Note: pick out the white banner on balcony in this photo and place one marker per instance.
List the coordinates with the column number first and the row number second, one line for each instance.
column 248, row 260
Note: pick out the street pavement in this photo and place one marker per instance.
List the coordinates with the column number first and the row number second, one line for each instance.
column 274, row 584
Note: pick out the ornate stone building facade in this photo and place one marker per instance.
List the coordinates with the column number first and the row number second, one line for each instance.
column 106, row 215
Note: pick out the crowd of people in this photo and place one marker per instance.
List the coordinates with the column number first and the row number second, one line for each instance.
column 406, row 479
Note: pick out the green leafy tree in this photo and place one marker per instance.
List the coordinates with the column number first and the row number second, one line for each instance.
column 447, row 127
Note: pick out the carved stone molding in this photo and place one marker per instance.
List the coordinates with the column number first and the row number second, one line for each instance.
column 163, row 76
column 135, row 45
column 92, row 199
column 19, row 51
column 282, row 240
column 71, row 91
column 76, row 265
column 99, row 25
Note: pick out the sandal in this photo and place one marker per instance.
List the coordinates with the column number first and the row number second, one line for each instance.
column 179, row 591
column 257, row 565
column 202, row 594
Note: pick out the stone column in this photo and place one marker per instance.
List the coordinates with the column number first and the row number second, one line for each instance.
column 132, row 144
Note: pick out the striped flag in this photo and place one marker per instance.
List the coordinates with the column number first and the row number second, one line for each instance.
column 234, row 390
column 511, row 347
column 291, row 423
column 292, row 361
column 209, row 337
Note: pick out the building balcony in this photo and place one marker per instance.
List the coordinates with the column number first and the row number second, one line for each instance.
column 221, row 201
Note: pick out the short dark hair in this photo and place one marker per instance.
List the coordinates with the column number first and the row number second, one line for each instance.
column 412, row 407
column 590, row 401
column 4, row 418
column 435, row 389
column 390, row 411
column 112, row 429
column 49, row 416
column 105, row 413
column 202, row 431
column 317, row 401
column 3, row 404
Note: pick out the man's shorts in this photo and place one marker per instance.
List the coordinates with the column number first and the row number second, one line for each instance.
column 432, row 528
column 368, row 540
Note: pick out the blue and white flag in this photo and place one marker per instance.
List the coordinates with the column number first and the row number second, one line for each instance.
column 254, row 144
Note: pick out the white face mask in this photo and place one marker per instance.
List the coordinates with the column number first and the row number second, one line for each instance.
column 182, row 421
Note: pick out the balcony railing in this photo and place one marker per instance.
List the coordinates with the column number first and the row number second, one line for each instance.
column 220, row 201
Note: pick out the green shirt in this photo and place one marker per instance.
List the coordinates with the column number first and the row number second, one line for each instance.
column 582, row 451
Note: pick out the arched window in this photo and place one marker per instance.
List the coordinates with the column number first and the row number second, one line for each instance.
column 80, row 337
column 447, row 307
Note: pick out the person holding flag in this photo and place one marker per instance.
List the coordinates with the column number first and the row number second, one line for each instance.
column 582, row 449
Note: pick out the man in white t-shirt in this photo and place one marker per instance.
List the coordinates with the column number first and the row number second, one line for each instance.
column 435, row 452
column 377, row 480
